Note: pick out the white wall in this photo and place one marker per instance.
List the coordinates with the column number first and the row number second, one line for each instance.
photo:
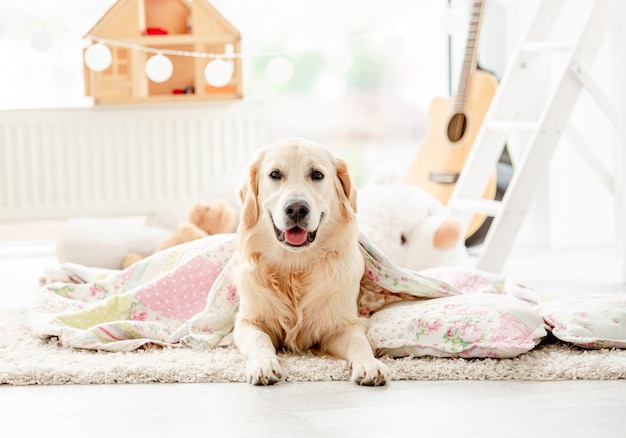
column 572, row 209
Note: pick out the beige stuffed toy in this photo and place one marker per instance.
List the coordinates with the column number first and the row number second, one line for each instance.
column 205, row 219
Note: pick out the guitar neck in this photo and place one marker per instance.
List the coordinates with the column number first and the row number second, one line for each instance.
column 469, row 60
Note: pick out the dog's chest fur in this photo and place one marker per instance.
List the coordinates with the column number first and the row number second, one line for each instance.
column 294, row 313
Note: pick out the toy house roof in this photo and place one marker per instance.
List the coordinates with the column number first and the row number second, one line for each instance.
column 124, row 18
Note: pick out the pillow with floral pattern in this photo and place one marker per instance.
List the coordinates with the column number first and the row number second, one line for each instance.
column 587, row 321
column 469, row 326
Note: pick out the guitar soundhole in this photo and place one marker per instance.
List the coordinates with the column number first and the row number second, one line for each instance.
column 456, row 127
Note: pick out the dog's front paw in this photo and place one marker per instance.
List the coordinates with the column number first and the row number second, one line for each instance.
column 264, row 370
column 370, row 373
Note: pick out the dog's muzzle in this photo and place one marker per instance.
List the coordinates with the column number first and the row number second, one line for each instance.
column 297, row 216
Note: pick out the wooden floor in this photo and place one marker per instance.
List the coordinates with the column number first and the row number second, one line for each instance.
column 335, row 409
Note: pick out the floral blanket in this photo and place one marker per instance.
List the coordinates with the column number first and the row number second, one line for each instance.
column 185, row 296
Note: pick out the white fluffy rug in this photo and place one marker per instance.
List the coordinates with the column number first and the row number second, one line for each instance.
column 26, row 360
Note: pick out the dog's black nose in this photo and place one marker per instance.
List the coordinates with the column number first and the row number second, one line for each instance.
column 297, row 210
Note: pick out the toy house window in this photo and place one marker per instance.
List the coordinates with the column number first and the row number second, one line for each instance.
column 120, row 64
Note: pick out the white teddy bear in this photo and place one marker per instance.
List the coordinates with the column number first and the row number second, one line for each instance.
column 408, row 224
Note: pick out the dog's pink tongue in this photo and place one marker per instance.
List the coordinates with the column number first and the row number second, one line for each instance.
column 295, row 236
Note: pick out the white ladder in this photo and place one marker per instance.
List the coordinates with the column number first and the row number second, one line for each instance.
column 503, row 118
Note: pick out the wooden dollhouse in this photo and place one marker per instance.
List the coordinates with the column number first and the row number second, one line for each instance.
column 180, row 25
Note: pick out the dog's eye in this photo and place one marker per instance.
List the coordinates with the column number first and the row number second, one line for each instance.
column 316, row 175
column 402, row 239
column 275, row 174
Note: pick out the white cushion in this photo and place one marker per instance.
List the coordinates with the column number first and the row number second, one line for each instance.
column 477, row 325
column 587, row 321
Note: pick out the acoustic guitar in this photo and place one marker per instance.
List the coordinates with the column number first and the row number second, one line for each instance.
column 454, row 123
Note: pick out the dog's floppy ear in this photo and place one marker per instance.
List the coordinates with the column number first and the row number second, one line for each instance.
column 248, row 195
column 348, row 192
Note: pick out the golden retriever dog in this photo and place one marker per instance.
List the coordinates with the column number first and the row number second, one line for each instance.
column 299, row 263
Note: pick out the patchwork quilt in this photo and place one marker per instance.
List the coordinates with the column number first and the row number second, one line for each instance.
column 185, row 296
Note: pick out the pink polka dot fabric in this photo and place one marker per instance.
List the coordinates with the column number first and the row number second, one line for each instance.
column 181, row 293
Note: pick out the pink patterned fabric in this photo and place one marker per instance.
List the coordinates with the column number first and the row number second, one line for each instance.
column 476, row 325
column 185, row 296
column 588, row 321
column 181, row 296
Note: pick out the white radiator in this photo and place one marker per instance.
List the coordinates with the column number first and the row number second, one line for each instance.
column 120, row 160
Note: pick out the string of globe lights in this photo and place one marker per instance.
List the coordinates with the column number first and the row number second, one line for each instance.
column 219, row 70
column 159, row 67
